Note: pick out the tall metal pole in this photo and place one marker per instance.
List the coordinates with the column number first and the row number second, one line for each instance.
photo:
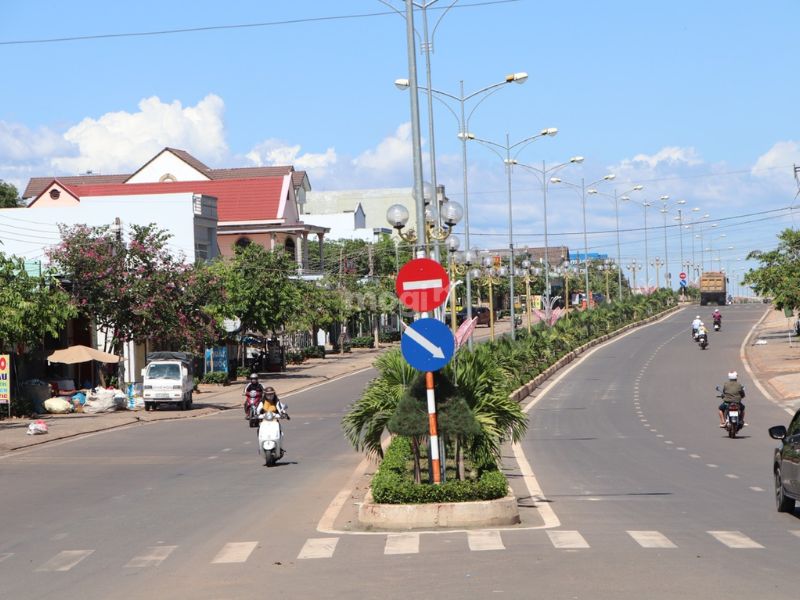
column 619, row 256
column 546, row 255
column 510, row 238
column 585, row 247
column 667, row 280
column 680, row 228
column 415, row 131
column 468, row 275
column 646, row 259
column 426, row 45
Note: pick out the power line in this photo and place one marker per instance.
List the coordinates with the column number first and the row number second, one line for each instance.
column 236, row 26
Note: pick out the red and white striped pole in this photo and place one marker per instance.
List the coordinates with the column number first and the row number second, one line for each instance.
column 433, row 428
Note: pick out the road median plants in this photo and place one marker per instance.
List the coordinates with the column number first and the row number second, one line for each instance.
column 475, row 410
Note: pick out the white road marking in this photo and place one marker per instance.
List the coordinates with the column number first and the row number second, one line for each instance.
column 755, row 488
column 235, row 552
column 318, row 548
column 731, row 476
column 694, row 455
column 680, row 448
column 154, row 556
column 212, row 457
column 735, row 539
column 668, row 442
column 795, row 532
column 660, row 435
column 402, row 543
column 6, row 555
column 485, row 540
column 711, row 465
column 226, row 449
column 64, row 561
column 567, row 540
column 651, row 539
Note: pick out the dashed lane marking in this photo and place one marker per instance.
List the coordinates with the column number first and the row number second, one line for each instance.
column 567, row 540
column 318, row 548
column 6, row 555
column 154, row 556
column 402, row 543
column 234, row 552
column 735, row 539
column 485, row 540
column 65, row 560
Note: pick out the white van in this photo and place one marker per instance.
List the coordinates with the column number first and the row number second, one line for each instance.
column 168, row 378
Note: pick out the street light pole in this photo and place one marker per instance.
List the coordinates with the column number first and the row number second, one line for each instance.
column 509, row 162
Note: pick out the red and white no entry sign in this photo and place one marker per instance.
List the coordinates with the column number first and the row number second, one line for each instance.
column 422, row 284
column 682, row 275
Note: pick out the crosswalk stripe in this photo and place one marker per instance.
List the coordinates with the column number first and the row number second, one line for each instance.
column 318, row 548
column 735, row 539
column 6, row 555
column 567, row 539
column 235, row 552
column 795, row 532
column 402, row 543
column 485, row 540
column 65, row 560
column 154, row 556
column 651, row 539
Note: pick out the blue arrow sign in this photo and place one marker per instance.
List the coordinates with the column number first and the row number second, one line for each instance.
column 427, row 344
column 683, row 283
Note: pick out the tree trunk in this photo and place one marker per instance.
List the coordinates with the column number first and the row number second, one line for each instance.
column 376, row 330
column 460, row 459
column 415, row 448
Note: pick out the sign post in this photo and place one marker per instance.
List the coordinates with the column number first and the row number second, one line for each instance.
column 682, row 281
column 427, row 344
column 5, row 381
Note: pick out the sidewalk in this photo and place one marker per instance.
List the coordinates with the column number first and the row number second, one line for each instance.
column 773, row 354
column 209, row 399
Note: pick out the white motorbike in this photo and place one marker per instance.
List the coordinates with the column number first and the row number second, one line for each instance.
column 270, row 437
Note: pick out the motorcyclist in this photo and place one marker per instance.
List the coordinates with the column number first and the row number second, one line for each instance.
column 271, row 403
column 696, row 324
column 732, row 391
column 252, row 385
column 717, row 316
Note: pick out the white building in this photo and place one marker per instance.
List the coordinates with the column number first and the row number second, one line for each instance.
column 348, row 225
column 374, row 203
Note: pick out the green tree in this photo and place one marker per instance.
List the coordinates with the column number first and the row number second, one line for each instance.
column 779, row 273
column 320, row 307
column 9, row 195
column 30, row 307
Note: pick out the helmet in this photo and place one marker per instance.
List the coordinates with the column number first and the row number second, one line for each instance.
column 253, row 376
column 697, row 317
column 733, row 375
column 269, row 390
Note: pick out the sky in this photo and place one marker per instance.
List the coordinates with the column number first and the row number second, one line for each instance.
column 692, row 100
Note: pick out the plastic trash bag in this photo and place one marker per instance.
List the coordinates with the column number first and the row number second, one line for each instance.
column 37, row 427
column 58, row 406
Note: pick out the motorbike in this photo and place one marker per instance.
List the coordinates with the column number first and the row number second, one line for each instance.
column 251, row 403
column 733, row 418
column 695, row 334
column 717, row 325
column 270, row 437
column 702, row 339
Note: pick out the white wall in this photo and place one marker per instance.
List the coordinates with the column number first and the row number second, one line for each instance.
column 28, row 233
column 167, row 163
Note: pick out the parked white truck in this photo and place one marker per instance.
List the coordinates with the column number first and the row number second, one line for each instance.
column 168, row 378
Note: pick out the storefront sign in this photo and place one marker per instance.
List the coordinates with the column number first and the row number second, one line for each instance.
column 5, row 379
column 217, row 359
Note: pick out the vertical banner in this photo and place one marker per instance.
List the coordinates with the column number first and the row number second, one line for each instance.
column 5, row 379
column 216, row 359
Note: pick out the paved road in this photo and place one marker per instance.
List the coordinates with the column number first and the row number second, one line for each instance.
column 652, row 500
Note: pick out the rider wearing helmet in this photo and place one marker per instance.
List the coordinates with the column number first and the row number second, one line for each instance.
column 716, row 316
column 732, row 391
column 696, row 324
column 252, row 385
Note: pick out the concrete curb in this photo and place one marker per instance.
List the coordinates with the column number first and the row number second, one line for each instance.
column 485, row 513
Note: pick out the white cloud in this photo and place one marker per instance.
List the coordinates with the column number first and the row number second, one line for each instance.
column 781, row 156
column 390, row 155
column 275, row 152
column 122, row 141
column 18, row 143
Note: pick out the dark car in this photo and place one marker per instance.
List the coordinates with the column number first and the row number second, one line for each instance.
column 786, row 464
column 482, row 312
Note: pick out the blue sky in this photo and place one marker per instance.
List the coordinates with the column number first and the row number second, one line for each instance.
column 695, row 100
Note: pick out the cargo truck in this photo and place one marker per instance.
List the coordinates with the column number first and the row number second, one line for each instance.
column 168, row 379
column 713, row 288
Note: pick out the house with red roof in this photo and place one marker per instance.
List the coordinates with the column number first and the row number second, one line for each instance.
column 253, row 204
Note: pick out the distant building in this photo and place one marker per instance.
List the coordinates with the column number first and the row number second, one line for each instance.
column 348, row 225
column 374, row 203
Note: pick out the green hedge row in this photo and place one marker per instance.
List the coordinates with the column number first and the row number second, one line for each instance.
column 392, row 484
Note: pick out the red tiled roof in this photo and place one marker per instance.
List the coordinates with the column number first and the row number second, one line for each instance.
column 256, row 199
column 36, row 185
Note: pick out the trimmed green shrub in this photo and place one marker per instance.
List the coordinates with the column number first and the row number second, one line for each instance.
column 314, row 352
column 388, row 337
column 242, row 372
column 366, row 341
column 219, row 377
column 295, row 358
column 392, row 483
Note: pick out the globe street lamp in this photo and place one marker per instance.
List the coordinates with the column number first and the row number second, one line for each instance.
column 658, row 263
column 463, row 128
column 664, row 210
column 507, row 161
column 582, row 188
column 634, row 267
column 617, row 197
column 493, row 277
column 645, row 205
column 542, row 174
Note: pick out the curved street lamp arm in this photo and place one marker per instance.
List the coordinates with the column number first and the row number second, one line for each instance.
column 448, row 107
column 446, row 10
column 524, row 143
column 389, row 4
column 491, row 146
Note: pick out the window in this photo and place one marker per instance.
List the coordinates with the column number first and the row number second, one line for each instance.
column 55, row 194
column 167, row 178
column 243, row 242
column 164, row 371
